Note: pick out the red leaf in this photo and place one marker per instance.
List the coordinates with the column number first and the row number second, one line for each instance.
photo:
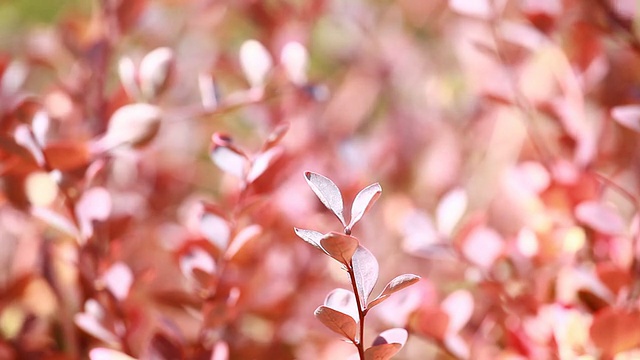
column 339, row 246
column 627, row 116
column 382, row 352
column 615, row 330
column 337, row 321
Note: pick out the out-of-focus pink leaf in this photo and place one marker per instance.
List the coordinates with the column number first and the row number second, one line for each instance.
column 627, row 116
column 276, row 136
column 421, row 237
column 398, row 283
column 215, row 229
column 246, row 235
column 344, row 301
column 197, row 258
column 118, row 280
column 220, row 351
column 382, row 351
column 392, row 336
column 600, row 217
column 127, row 73
column 337, row 321
column 262, row 162
column 256, row 62
column 108, row 354
column 55, row 220
column 450, row 210
column 365, row 270
column 132, row 124
column 476, row 8
column 327, row 192
column 459, row 307
column 295, row 60
column 339, row 246
column 363, row 202
column 457, row 346
column 230, row 161
column 312, row 237
column 94, row 204
column 154, row 71
column 483, row 246
column 92, row 326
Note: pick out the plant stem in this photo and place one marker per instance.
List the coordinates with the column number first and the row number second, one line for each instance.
column 361, row 313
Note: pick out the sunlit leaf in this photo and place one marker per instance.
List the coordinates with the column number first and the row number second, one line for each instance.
column 108, row 354
column 132, row 124
column 155, row 70
column 483, row 246
column 477, row 8
column 344, row 301
column 382, row 351
column 600, row 217
column 256, row 62
column 229, row 161
column 363, row 202
column 627, row 116
column 92, row 326
column 392, row 336
column 276, row 136
column 327, row 192
column 459, row 306
column 197, row 258
column 365, row 269
column 312, row 237
column 450, row 210
column 398, row 283
column 295, row 60
column 337, row 321
column 118, row 279
column 262, row 162
column 216, row 229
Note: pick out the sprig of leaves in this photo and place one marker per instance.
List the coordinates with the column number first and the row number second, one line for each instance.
column 343, row 311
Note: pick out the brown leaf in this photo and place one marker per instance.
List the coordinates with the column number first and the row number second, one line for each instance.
column 338, row 322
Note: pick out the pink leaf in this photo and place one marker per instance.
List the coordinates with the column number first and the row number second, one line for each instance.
column 344, row 301
column 262, row 162
column 483, row 246
column 476, row 8
column 197, row 258
column 311, row 237
column 327, row 192
column 108, row 354
column 392, row 336
column 118, row 280
column 450, row 210
column 600, row 217
column 256, row 62
column 365, row 270
column 398, row 283
column 363, row 202
column 627, row 116
column 229, row 160
column 339, row 246
column 337, row 321
column 459, row 307
column 92, row 326
column 215, row 229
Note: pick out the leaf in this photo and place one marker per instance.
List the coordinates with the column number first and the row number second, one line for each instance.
column 327, row 192
column 450, row 210
column 365, row 270
column 108, row 354
column 154, row 72
column 262, row 162
column 382, row 352
column 229, row 160
column 483, row 246
column 398, row 283
column 66, row 155
column 246, row 235
column 92, row 326
column 118, row 280
column 337, row 321
column 392, row 336
column 132, row 124
column 600, row 217
column 627, row 116
column 478, row 8
column 459, row 307
column 339, row 246
column 615, row 330
column 344, row 301
column 363, row 202
column 215, row 229
column 295, row 60
column 256, row 62
column 312, row 237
